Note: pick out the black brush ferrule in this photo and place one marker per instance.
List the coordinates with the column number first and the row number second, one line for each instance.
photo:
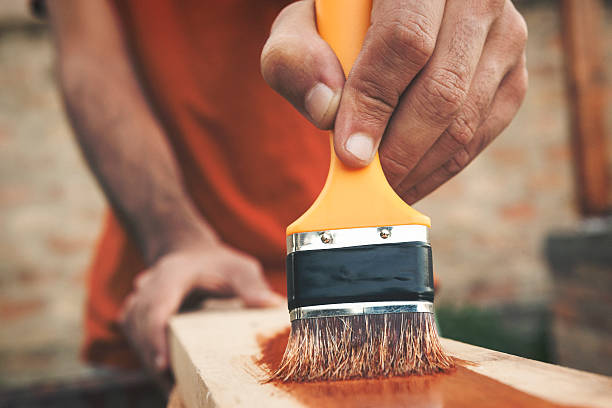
column 367, row 273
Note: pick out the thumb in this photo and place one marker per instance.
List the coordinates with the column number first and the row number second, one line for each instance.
column 298, row 64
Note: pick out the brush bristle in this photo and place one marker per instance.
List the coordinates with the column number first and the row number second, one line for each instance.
column 362, row 346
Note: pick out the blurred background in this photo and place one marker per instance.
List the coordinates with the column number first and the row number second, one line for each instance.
column 523, row 251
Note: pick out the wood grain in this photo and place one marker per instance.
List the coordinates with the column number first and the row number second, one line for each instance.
column 215, row 354
column 582, row 45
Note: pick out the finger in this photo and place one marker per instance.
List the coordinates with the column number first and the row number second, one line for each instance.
column 158, row 317
column 134, row 328
column 505, row 105
column 301, row 66
column 437, row 94
column 248, row 283
column 152, row 314
column 397, row 46
column 502, row 52
column 158, row 329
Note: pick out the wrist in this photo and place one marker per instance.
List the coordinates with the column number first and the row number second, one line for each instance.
column 175, row 231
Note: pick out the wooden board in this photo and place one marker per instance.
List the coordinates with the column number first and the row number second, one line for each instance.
column 214, row 358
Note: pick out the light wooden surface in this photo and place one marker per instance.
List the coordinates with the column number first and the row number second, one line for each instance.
column 214, row 360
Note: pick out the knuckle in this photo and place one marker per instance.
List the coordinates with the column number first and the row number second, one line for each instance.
column 493, row 7
column 375, row 101
column 443, row 93
column 409, row 35
column 511, row 28
column 461, row 130
column 273, row 60
column 457, row 162
column 395, row 167
column 519, row 31
column 280, row 57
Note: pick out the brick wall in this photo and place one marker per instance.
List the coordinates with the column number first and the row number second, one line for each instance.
column 50, row 212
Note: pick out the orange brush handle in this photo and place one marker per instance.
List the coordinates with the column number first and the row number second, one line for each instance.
column 352, row 198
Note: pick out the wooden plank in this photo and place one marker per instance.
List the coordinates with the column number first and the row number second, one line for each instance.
column 582, row 42
column 214, row 358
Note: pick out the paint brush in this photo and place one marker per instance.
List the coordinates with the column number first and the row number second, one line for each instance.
column 359, row 271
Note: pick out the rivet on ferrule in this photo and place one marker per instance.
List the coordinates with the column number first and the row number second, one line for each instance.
column 326, row 237
column 384, row 233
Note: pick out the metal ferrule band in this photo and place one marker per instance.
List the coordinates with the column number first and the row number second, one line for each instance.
column 349, row 237
column 361, row 308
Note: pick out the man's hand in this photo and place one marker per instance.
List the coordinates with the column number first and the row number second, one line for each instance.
column 215, row 269
column 435, row 82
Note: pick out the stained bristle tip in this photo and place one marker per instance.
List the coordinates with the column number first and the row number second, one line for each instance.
column 362, row 346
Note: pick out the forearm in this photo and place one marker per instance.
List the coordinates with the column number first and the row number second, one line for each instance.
column 130, row 156
column 127, row 149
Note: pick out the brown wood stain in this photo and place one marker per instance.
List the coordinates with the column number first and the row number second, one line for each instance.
column 456, row 389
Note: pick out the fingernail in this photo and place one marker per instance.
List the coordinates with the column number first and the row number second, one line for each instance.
column 319, row 103
column 361, row 146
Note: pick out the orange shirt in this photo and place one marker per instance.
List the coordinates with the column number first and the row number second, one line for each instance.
column 250, row 162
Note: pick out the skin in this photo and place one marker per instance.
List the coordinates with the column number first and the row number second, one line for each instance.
column 435, row 82
column 126, row 147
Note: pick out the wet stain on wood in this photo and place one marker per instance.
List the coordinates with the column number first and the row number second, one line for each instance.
column 458, row 388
